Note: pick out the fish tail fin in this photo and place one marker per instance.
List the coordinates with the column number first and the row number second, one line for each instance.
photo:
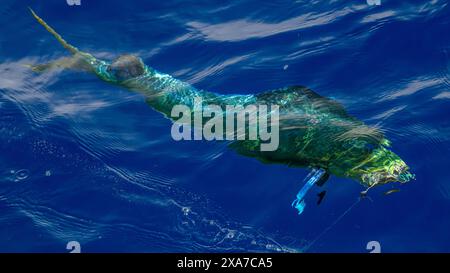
column 58, row 37
column 35, row 68
column 72, row 62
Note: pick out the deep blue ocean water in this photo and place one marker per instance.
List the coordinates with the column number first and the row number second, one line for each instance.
column 85, row 161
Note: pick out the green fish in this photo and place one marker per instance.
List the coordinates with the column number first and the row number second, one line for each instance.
column 314, row 132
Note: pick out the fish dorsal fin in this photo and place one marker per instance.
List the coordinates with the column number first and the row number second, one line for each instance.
column 305, row 95
column 300, row 94
column 320, row 101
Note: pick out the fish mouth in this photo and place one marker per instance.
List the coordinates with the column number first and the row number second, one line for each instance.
column 398, row 171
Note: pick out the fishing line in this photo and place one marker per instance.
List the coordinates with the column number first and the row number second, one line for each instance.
column 333, row 224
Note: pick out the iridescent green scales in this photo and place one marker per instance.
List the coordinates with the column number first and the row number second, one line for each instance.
column 314, row 132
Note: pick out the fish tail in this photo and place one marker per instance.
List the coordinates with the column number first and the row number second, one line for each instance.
column 58, row 37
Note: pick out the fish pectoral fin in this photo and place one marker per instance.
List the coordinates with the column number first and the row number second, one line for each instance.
column 321, row 195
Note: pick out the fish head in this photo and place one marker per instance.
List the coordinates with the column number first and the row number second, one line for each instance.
column 126, row 67
column 381, row 167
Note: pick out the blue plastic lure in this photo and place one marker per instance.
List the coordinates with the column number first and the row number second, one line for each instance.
column 299, row 202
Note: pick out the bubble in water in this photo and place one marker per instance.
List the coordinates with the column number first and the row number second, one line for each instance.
column 186, row 210
column 273, row 247
column 20, row 174
column 230, row 234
